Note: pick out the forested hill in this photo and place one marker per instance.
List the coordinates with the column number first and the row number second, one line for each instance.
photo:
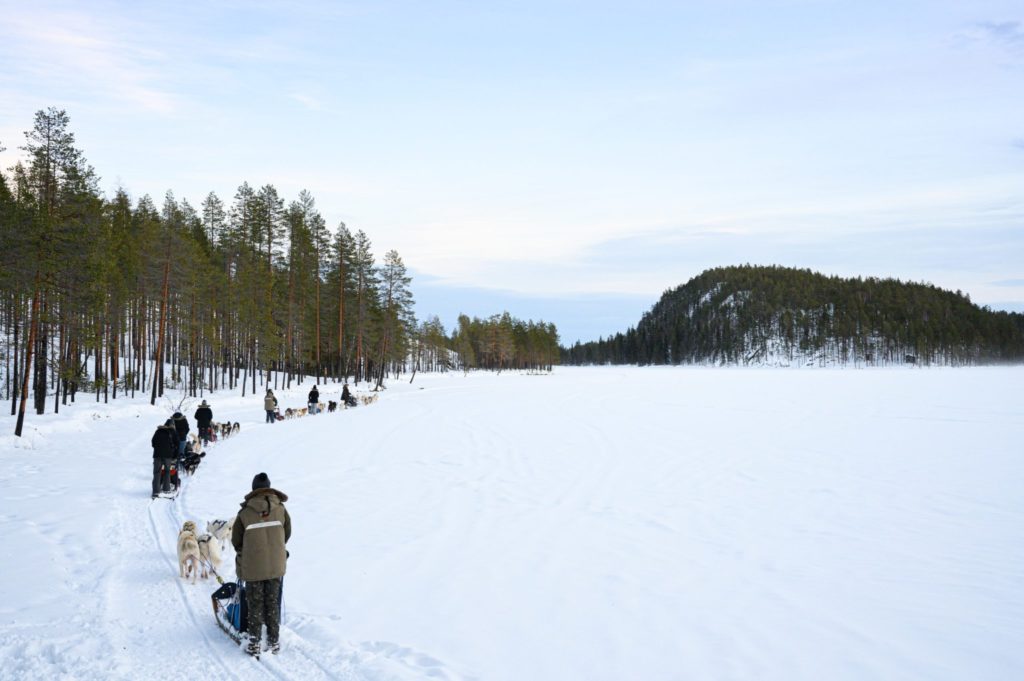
column 780, row 315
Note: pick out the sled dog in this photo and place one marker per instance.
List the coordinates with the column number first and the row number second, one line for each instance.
column 332, row 406
column 221, row 530
column 189, row 559
column 209, row 551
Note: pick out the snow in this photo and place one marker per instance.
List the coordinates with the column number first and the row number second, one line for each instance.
column 595, row 523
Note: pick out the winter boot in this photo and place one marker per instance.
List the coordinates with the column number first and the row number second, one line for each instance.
column 253, row 648
column 275, row 647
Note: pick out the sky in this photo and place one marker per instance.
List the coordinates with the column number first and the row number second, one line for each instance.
column 565, row 160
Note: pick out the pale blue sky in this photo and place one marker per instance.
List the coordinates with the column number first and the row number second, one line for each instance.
column 546, row 156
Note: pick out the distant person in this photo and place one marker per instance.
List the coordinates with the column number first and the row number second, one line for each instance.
column 181, row 426
column 165, row 451
column 270, row 405
column 347, row 399
column 314, row 400
column 204, row 416
column 259, row 535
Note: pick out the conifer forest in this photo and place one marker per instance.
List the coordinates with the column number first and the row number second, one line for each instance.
column 781, row 315
column 109, row 295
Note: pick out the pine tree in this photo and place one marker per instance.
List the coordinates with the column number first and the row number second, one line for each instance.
column 397, row 304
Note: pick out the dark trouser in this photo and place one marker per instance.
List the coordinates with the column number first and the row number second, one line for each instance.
column 270, row 416
column 263, row 599
column 205, row 433
column 162, row 475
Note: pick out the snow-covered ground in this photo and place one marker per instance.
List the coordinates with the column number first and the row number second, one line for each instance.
column 601, row 523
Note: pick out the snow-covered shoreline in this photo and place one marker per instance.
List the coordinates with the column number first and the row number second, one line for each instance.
column 595, row 523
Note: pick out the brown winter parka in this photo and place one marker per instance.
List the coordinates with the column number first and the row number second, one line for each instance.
column 261, row 530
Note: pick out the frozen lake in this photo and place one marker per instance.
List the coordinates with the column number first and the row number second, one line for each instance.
column 596, row 523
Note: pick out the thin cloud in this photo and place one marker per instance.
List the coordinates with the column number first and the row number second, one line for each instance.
column 73, row 45
column 1007, row 35
column 1007, row 32
column 1012, row 283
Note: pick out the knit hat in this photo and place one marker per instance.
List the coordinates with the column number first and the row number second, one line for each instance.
column 204, row 404
column 261, row 481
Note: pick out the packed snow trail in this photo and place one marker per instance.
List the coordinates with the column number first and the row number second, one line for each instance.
column 606, row 524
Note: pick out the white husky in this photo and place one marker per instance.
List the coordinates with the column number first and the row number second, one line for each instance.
column 221, row 529
column 189, row 559
column 209, row 551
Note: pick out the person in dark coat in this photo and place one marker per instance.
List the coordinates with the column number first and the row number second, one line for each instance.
column 165, row 451
column 204, row 416
column 314, row 399
column 270, row 406
column 261, row 530
column 346, row 397
column 181, row 426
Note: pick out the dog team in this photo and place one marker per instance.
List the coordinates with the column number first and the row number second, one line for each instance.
column 261, row 566
column 258, row 535
column 201, row 555
column 176, row 448
column 313, row 404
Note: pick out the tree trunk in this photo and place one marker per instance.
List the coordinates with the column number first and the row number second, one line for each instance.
column 28, row 357
column 14, row 397
column 39, row 382
column 158, row 373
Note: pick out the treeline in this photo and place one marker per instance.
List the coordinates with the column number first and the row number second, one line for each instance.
column 504, row 342
column 747, row 314
column 99, row 294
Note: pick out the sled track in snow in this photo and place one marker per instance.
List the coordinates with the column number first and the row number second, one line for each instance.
column 182, row 596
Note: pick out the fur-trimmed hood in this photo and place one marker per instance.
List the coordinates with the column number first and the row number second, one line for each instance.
column 281, row 496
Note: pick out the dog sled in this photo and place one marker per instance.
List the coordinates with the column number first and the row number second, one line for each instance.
column 175, row 482
column 207, row 434
column 230, row 611
column 192, row 459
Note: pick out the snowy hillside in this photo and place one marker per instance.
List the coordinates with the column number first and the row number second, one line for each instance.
column 597, row 524
column 782, row 316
